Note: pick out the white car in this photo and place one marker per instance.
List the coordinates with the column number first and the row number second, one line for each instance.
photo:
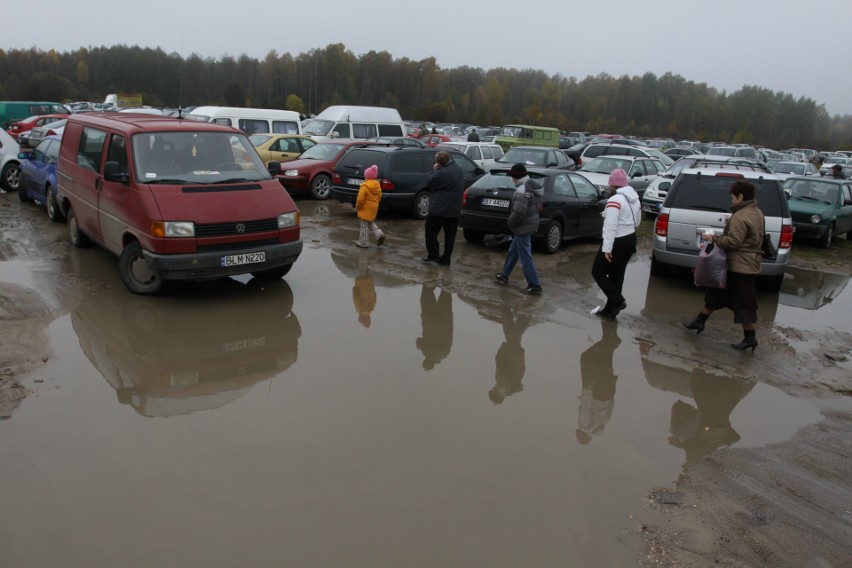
column 785, row 169
column 9, row 162
column 641, row 171
column 483, row 153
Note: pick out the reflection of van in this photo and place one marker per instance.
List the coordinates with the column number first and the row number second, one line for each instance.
column 354, row 123
column 13, row 111
column 174, row 199
column 250, row 120
column 525, row 135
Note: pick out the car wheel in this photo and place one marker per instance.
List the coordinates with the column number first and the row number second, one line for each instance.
column 657, row 267
column 136, row 273
column 11, row 177
column 825, row 241
column 552, row 239
column 75, row 234
column 772, row 283
column 321, row 187
column 53, row 209
column 421, row 205
column 273, row 273
column 22, row 193
column 472, row 236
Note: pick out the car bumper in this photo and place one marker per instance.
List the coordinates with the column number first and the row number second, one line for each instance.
column 775, row 267
column 209, row 264
column 651, row 205
column 809, row 230
column 294, row 183
column 484, row 222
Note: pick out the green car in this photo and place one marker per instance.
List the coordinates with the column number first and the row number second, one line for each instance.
column 820, row 207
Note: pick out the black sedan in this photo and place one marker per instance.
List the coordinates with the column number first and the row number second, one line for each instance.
column 571, row 207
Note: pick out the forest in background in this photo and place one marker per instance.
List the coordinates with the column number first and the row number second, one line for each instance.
column 641, row 105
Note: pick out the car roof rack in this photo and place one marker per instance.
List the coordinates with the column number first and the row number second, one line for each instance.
column 733, row 163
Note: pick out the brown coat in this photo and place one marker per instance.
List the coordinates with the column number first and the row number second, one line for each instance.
column 743, row 237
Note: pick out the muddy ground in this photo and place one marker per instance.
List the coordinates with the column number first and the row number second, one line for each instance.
column 787, row 504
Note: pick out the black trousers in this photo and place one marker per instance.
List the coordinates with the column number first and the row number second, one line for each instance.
column 435, row 224
column 609, row 276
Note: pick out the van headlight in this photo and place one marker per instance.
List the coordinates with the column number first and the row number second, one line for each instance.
column 161, row 229
column 291, row 173
column 286, row 220
column 816, row 219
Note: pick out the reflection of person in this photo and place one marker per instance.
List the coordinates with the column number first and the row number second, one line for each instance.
column 741, row 240
column 436, row 317
column 622, row 215
column 447, row 186
column 523, row 221
column 367, row 204
column 598, row 397
column 510, row 359
column 364, row 297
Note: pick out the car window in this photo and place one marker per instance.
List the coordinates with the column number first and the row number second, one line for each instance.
column 474, row 153
column 284, row 127
column 253, row 126
column 498, row 151
column 364, row 131
column 486, row 152
column 561, row 159
column 638, row 168
column 466, row 164
column 713, row 193
column 342, row 130
column 847, row 193
column 91, row 148
column 306, row 143
column 52, row 151
column 562, row 186
column 583, row 187
column 390, row 130
column 118, row 152
column 407, row 162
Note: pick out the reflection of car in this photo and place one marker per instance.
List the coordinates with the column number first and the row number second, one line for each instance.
column 483, row 154
column 821, row 207
column 280, row 147
column 38, row 176
column 640, row 171
column 312, row 170
column 29, row 123
column 811, row 289
column 536, row 156
column 10, row 174
column 403, row 175
column 171, row 356
column 571, row 207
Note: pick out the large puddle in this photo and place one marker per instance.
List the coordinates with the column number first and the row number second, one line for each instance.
column 345, row 418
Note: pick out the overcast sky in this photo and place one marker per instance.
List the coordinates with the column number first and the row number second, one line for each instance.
column 791, row 46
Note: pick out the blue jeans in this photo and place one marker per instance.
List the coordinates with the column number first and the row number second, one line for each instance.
column 521, row 248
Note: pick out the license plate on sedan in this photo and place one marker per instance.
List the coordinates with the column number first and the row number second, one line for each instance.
column 246, row 258
column 354, row 181
column 495, row 202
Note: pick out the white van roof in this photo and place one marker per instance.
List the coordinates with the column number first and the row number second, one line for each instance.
column 345, row 113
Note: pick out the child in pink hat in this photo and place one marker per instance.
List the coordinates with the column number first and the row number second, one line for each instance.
column 367, row 205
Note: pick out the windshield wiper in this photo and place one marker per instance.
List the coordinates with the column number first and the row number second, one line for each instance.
column 229, row 180
column 169, row 181
column 807, row 197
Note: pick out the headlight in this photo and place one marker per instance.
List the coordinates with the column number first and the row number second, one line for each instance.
column 815, row 219
column 172, row 229
column 288, row 220
column 291, row 173
column 651, row 192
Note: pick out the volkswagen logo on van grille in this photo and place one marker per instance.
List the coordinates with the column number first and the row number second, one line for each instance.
column 241, row 228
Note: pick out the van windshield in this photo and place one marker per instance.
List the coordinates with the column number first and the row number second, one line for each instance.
column 317, row 127
column 195, row 158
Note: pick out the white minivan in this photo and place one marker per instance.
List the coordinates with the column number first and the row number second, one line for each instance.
column 342, row 122
column 250, row 120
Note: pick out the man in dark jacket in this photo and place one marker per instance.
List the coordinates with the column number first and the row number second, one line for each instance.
column 836, row 172
column 447, row 186
column 523, row 222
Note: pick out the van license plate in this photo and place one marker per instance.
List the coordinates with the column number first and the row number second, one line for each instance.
column 247, row 258
column 354, row 181
column 495, row 202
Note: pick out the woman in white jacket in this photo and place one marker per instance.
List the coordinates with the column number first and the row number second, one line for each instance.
column 622, row 215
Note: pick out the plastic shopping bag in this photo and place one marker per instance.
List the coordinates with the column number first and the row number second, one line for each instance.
column 712, row 267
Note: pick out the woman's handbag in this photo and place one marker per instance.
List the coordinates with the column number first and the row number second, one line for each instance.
column 767, row 248
column 712, row 268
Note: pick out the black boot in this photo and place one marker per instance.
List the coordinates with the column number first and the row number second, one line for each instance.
column 748, row 341
column 697, row 323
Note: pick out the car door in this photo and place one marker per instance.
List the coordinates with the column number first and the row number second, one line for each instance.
column 560, row 200
column 34, row 171
column 592, row 204
column 844, row 216
column 640, row 175
column 284, row 150
column 472, row 171
column 475, row 154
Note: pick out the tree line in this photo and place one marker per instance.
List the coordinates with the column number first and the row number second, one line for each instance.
column 648, row 106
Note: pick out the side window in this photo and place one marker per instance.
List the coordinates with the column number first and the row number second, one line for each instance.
column 222, row 121
column 406, row 163
column 583, row 187
column 562, row 186
column 390, row 130
column 253, row 126
column 284, row 127
column 635, row 152
column 561, row 160
column 305, row 143
column 91, row 148
column 275, row 146
column 466, row 165
column 364, row 131
column 118, row 152
column 637, row 169
column 498, row 151
column 52, row 152
column 847, row 193
column 486, row 153
column 473, row 153
column 342, row 130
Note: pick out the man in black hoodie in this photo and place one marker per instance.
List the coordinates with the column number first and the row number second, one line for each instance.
column 447, row 186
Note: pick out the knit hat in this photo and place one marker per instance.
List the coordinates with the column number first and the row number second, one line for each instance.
column 372, row 172
column 518, row 171
column 618, row 178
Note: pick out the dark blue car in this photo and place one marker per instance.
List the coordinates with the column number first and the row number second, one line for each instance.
column 38, row 176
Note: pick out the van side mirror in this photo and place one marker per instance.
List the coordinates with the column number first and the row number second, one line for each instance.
column 664, row 186
column 112, row 172
column 274, row 168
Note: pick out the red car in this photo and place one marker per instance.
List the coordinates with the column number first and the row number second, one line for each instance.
column 433, row 140
column 311, row 172
column 29, row 123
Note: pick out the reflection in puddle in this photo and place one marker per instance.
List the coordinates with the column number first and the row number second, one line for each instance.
column 810, row 289
column 436, row 320
column 16, row 272
column 598, row 397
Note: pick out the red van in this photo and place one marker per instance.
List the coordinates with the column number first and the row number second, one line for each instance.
column 174, row 199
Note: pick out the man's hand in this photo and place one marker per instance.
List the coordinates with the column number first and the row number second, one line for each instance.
column 608, row 256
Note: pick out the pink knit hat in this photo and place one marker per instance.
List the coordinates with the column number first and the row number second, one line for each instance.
column 618, row 178
column 373, row 172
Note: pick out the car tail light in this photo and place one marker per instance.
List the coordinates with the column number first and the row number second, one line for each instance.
column 785, row 241
column 579, row 162
column 464, row 199
column 386, row 184
column 661, row 227
column 336, row 179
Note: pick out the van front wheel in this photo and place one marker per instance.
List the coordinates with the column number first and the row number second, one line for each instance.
column 137, row 274
column 75, row 234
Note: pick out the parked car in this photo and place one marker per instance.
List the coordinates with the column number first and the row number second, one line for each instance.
column 10, row 173
column 403, row 174
column 313, row 170
column 483, row 154
column 821, row 207
column 537, row 156
column 785, row 169
column 38, row 176
column 641, row 171
column 571, row 207
column 655, row 193
column 280, row 147
column 678, row 153
column 31, row 122
column 700, row 200
column 610, row 148
column 398, row 141
column 39, row 133
column 433, row 140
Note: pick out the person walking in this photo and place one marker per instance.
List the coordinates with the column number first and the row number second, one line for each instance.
column 523, row 222
column 622, row 214
column 446, row 185
column 367, row 205
column 741, row 239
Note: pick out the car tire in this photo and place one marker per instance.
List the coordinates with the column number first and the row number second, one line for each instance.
column 552, row 240
column 11, row 177
column 321, row 187
column 472, row 236
column 825, row 240
column 771, row 283
column 137, row 274
column 658, row 268
column 53, row 209
column 273, row 273
column 77, row 237
column 420, row 209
